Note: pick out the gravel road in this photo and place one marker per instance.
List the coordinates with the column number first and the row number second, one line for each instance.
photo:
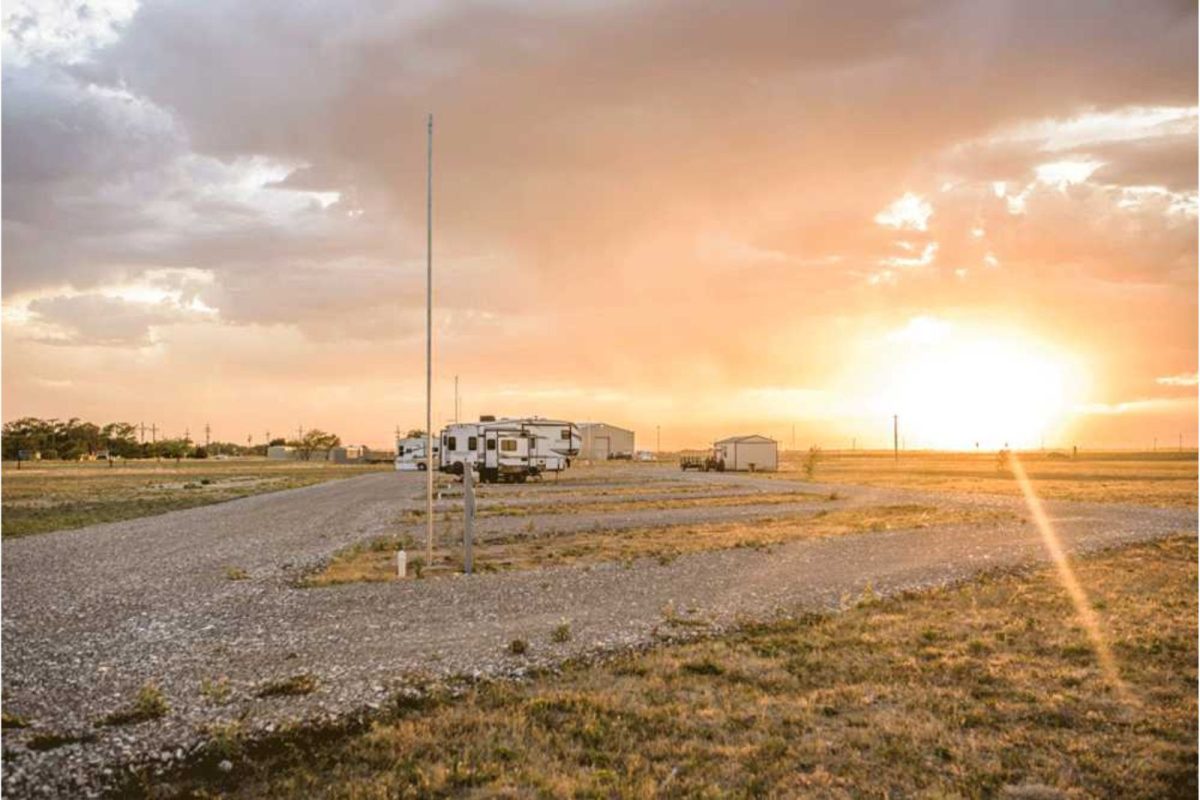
column 91, row 615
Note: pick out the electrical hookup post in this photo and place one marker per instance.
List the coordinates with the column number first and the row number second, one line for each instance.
column 468, row 519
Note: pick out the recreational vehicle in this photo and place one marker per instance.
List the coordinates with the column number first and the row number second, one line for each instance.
column 545, row 445
column 410, row 453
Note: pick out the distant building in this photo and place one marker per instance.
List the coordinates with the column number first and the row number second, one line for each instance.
column 347, row 454
column 281, row 452
column 752, row 453
column 602, row 441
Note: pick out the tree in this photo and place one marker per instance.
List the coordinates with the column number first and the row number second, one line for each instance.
column 313, row 441
column 173, row 448
column 416, row 433
column 811, row 461
column 120, row 439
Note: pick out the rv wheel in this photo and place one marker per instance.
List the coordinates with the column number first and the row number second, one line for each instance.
column 421, row 466
column 458, row 468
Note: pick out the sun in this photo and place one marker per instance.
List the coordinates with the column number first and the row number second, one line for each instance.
column 956, row 389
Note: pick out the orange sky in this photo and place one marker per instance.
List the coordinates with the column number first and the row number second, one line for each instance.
column 981, row 216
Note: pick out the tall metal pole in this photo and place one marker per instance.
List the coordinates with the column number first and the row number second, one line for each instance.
column 429, row 347
column 896, row 437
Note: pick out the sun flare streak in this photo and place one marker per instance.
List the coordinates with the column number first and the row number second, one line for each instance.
column 1066, row 575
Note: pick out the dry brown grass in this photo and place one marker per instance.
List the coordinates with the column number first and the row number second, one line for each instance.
column 47, row 496
column 376, row 560
column 1155, row 479
column 989, row 689
column 631, row 503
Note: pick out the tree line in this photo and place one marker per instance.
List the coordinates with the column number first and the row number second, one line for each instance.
column 74, row 439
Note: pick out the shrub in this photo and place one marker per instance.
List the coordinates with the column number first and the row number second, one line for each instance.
column 294, row 685
column 149, row 704
column 810, row 462
column 518, row 647
column 561, row 633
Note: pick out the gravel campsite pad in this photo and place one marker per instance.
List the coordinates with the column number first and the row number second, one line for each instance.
column 131, row 643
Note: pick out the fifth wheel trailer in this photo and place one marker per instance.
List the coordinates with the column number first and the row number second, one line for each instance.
column 551, row 445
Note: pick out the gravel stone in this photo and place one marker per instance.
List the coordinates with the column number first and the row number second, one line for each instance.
column 92, row 615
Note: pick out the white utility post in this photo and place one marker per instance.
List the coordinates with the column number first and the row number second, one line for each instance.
column 429, row 346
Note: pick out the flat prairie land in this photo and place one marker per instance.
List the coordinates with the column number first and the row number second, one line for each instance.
column 986, row 689
column 47, row 496
column 1162, row 479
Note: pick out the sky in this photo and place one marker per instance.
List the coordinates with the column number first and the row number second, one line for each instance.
column 689, row 219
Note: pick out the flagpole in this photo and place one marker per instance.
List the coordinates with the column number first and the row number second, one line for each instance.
column 429, row 348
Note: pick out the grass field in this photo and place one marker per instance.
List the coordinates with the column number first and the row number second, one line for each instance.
column 375, row 561
column 55, row 495
column 988, row 689
column 1157, row 479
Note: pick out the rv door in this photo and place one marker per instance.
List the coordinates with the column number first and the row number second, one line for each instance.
column 491, row 451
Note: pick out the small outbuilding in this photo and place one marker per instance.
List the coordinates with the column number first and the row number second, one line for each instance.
column 752, row 453
column 601, row 441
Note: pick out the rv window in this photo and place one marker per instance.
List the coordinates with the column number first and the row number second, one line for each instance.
column 472, row 443
column 508, row 445
column 566, row 433
column 452, row 443
column 491, row 444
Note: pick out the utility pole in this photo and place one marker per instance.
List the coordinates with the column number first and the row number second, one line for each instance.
column 299, row 432
column 207, row 434
column 896, row 437
column 657, row 439
column 429, row 345
column 142, row 437
column 266, row 443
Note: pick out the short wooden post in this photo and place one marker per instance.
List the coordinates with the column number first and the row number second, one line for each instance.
column 468, row 519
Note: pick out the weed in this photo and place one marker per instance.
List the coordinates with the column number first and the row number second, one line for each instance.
column 291, row 686
column 52, row 740
column 561, row 633
column 518, row 647
column 236, row 574
column 149, row 704
column 225, row 739
column 9, row 720
column 216, row 691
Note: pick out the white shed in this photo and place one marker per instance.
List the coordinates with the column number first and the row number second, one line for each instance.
column 601, row 441
column 753, row 453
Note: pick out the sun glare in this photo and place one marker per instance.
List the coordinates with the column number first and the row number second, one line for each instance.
column 955, row 390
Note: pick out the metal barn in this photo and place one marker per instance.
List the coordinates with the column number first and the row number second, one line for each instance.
column 752, row 453
column 602, row 441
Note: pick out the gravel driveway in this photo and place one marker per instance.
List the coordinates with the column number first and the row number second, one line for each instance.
column 91, row 615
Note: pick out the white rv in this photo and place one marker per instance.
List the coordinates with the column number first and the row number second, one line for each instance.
column 546, row 445
column 410, row 453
